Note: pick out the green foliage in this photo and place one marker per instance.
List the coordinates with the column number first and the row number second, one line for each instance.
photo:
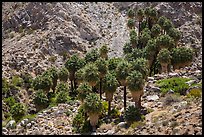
column 165, row 41
column 136, row 53
column 113, row 62
column 140, row 64
column 137, row 124
column 155, row 30
column 164, row 56
column 140, row 14
column 17, row 81
column 115, row 113
column 63, row 74
column 27, row 79
column 18, row 110
column 42, row 82
column 195, row 92
column 62, row 87
column 174, row 33
column 167, row 25
column 131, row 23
column 52, row 59
column 132, row 114
column 80, row 75
column 135, row 81
column 104, row 51
column 153, row 14
column 74, row 63
column 161, row 21
column 5, row 86
column 62, row 97
column 92, row 56
column 181, row 55
column 40, row 98
column 91, row 74
column 127, row 48
column 145, row 37
column 93, row 104
column 176, row 84
column 131, row 13
column 123, row 70
column 150, row 49
column 83, row 89
column 110, row 83
column 105, row 108
column 147, row 11
column 10, row 101
column 143, row 25
column 102, row 67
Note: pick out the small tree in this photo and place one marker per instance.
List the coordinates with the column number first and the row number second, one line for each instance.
column 131, row 23
column 135, row 85
column 18, row 110
column 102, row 68
column 93, row 107
column 164, row 58
column 40, row 100
column 110, row 85
column 63, row 74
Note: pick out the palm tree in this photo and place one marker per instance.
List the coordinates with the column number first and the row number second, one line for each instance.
column 92, row 56
column 145, row 37
column 167, row 25
column 133, row 38
column 164, row 41
column 127, row 48
column 164, row 58
column 175, row 34
column 102, row 68
column 135, row 84
column 80, row 76
column 104, row 52
column 110, row 85
column 122, row 72
column 131, row 23
column 73, row 64
column 153, row 16
column 140, row 16
column 131, row 13
column 93, row 107
column 161, row 21
column 156, row 30
column 63, row 74
column 91, row 74
column 147, row 14
column 84, row 89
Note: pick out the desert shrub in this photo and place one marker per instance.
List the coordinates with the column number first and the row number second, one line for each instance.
column 115, row 113
column 40, row 98
column 171, row 98
column 176, row 84
column 62, row 97
column 132, row 114
column 42, row 82
column 10, row 101
column 52, row 59
column 5, row 86
column 137, row 124
column 195, row 92
column 17, row 81
column 18, row 110
column 62, row 86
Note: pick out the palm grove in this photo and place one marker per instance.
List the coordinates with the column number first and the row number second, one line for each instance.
column 153, row 49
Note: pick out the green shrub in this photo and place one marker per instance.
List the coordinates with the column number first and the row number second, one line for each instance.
column 115, row 113
column 40, row 98
column 195, row 92
column 127, row 48
column 42, row 82
column 132, row 114
column 10, row 101
column 27, row 79
column 52, row 59
column 130, row 23
column 92, row 56
column 62, row 86
column 5, row 86
column 176, row 84
column 63, row 74
column 137, row 124
column 62, row 97
column 17, row 81
column 131, row 13
column 18, row 110
column 113, row 62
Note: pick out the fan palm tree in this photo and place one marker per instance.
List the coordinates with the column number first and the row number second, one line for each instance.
column 167, row 25
column 92, row 56
column 102, row 68
column 135, row 84
column 155, row 30
column 153, row 16
column 80, row 76
column 104, row 52
column 73, row 64
column 131, row 23
column 161, row 21
column 164, row 41
column 133, row 38
column 145, row 36
column 147, row 15
column 93, row 107
column 140, row 16
column 175, row 34
column 122, row 72
column 110, row 85
column 164, row 58
column 63, row 74
column 84, row 89
column 127, row 48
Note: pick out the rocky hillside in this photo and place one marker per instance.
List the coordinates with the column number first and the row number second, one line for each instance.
column 38, row 35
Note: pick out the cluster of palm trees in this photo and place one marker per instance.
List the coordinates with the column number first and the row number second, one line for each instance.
column 155, row 36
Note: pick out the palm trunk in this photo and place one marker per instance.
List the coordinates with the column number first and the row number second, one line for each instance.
column 72, row 87
column 109, row 108
column 125, row 98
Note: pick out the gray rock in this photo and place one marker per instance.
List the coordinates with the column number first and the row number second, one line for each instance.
column 24, row 122
column 190, row 82
column 110, row 132
column 29, row 125
column 122, row 124
column 152, row 97
column 155, row 89
column 11, row 124
column 174, row 74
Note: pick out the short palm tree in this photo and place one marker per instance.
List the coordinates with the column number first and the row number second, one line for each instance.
column 167, row 25
column 110, row 85
column 164, row 41
column 164, row 58
column 91, row 74
column 102, row 68
column 155, row 30
column 122, row 72
column 79, row 75
column 135, row 85
column 63, row 74
column 93, row 107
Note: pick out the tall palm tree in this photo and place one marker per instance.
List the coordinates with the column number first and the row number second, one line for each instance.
column 145, row 36
column 102, row 68
column 153, row 15
column 147, row 14
column 135, row 84
column 122, row 72
column 104, row 52
column 110, row 85
column 73, row 64
column 167, row 25
column 164, row 41
column 140, row 16
column 92, row 56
